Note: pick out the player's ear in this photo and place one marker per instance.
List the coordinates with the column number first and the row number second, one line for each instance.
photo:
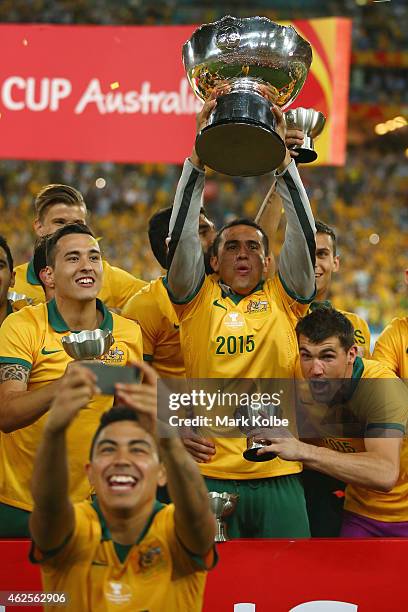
column 162, row 476
column 47, row 277
column 214, row 263
column 336, row 263
column 352, row 354
column 38, row 228
column 89, row 473
column 12, row 279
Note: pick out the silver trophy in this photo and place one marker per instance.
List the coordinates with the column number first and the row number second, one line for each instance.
column 255, row 422
column 88, row 344
column 257, row 62
column 222, row 504
column 311, row 122
column 15, row 298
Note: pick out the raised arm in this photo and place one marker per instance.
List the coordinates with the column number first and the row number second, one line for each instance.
column 52, row 520
column 297, row 257
column 195, row 523
column 185, row 261
column 270, row 211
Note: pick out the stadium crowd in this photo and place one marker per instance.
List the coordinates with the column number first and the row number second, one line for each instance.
column 374, row 203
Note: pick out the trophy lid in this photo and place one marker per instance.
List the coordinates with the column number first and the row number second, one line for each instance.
column 233, row 48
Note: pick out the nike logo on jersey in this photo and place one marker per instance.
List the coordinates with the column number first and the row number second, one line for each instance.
column 215, row 303
column 45, row 352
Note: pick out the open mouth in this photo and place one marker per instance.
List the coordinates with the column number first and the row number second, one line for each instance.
column 242, row 269
column 319, row 386
column 122, row 482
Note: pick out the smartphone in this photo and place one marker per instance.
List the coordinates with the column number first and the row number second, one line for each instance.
column 107, row 376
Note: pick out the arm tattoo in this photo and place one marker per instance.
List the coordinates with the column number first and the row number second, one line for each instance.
column 13, row 371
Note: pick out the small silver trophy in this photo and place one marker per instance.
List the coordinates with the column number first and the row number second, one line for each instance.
column 245, row 59
column 88, row 344
column 311, row 122
column 15, row 298
column 252, row 426
column 222, row 504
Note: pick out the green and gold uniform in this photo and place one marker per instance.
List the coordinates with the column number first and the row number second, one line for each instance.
column 117, row 288
column 32, row 338
column 391, row 347
column 152, row 309
column 155, row 574
column 227, row 336
column 372, row 405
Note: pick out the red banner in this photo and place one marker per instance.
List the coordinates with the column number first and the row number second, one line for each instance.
column 96, row 93
column 275, row 575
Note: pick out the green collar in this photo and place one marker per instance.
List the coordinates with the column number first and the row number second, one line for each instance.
column 105, row 533
column 325, row 303
column 58, row 324
column 9, row 308
column 31, row 275
column 350, row 384
column 358, row 369
column 236, row 297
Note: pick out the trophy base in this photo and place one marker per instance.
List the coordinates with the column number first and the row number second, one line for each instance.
column 250, row 454
column 307, row 154
column 240, row 139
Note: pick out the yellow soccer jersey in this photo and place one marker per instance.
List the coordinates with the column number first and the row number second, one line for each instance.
column 361, row 333
column 227, row 337
column 117, row 288
column 157, row 575
column 391, row 347
column 375, row 404
column 152, row 309
column 32, row 337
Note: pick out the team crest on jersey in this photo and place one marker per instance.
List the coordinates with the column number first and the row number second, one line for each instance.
column 118, row 593
column 256, row 306
column 114, row 355
column 151, row 558
column 234, row 320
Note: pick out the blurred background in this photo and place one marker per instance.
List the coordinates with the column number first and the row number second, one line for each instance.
column 366, row 200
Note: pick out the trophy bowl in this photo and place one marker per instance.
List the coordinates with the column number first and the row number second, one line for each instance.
column 222, row 505
column 88, row 344
column 14, row 297
column 252, row 62
column 311, row 122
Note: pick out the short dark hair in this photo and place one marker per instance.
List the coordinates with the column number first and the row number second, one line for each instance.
column 242, row 221
column 158, row 230
column 40, row 256
column 57, row 194
column 6, row 248
column 65, row 230
column 322, row 228
column 117, row 413
column 324, row 322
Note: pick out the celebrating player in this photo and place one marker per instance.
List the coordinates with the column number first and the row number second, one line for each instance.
column 33, row 362
column 235, row 324
column 364, row 406
column 124, row 547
